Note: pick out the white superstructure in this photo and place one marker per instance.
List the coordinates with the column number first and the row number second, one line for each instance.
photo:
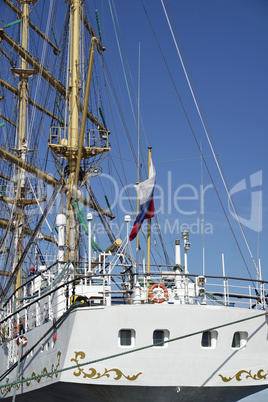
column 167, row 335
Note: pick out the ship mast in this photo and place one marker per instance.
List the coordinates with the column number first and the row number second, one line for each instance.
column 74, row 149
column 73, row 121
column 22, row 148
column 67, row 141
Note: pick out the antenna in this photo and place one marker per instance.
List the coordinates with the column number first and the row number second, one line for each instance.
column 138, row 161
column 202, row 208
column 259, row 225
column 139, row 78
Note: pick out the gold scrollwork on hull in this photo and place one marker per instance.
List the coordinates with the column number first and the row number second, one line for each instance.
column 44, row 371
column 258, row 376
column 93, row 374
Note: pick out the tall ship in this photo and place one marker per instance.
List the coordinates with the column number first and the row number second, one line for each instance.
column 84, row 320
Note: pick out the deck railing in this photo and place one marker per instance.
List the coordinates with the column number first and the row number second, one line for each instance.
column 44, row 299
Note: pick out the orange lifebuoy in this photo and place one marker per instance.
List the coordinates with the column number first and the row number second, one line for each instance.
column 158, row 297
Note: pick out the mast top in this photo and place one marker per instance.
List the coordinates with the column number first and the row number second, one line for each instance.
column 27, row 1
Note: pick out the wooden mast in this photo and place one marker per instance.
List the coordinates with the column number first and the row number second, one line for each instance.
column 22, row 148
column 76, row 149
column 73, row 132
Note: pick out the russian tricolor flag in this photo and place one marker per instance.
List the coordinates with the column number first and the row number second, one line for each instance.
column 145, row 191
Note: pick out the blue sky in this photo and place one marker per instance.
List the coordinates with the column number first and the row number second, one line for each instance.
column 225, row 43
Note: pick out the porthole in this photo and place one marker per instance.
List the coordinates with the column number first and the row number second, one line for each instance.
column 239, row 339
column 209, row 339
column 126, row 337
column 206, row 339
column 159, row 336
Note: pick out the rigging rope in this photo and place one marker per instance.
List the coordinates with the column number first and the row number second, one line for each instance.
column 113, row 92
column 208, row 138
column 41, row 210
column 72, row 307
column 126, row 81
column 197, row 143
column 42, row 63
column 32, row 239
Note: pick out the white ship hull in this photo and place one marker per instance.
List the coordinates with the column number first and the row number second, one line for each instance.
column 178, row 370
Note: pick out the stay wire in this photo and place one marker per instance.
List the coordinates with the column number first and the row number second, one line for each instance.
column 125, row 76
column 122, row 115
column 193, row 133
column 113, row 92
column 130, row 75
column 209, row 138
